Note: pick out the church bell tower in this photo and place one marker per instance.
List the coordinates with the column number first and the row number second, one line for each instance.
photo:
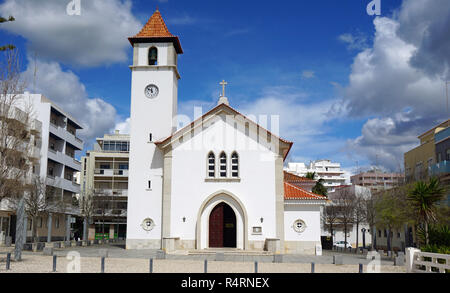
column 154, row 94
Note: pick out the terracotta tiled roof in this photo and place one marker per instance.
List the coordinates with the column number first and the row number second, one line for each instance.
column 290, row 177
column 155, row 30
column 296, row 193
column 155, row 27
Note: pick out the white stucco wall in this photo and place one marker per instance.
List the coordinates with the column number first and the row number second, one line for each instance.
column 153, row 116
column 256, row 189
column 310, row 214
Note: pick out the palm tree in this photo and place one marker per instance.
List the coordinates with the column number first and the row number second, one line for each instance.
column 424, row 197
column 311, row 175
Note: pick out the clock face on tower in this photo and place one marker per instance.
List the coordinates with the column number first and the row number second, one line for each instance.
column 151, row 91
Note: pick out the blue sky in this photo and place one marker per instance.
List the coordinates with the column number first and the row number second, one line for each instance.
column 326, row 67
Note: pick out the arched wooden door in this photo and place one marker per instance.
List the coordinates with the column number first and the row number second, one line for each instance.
column 222, row 226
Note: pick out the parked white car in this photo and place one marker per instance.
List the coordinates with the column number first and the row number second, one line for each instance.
column 342, row 244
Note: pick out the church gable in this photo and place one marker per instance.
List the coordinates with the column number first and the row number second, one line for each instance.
column 235, row 127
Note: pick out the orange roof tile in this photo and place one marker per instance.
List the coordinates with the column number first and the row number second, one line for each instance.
column 155, row 30
column 290, row 177
column 296, row 193
column 155, row 27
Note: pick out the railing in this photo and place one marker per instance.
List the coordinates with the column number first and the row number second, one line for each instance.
column 426, row 262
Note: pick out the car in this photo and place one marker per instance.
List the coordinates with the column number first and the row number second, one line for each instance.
column 342, row 244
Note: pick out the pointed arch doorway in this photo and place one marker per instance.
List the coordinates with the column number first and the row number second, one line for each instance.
column 222, row 226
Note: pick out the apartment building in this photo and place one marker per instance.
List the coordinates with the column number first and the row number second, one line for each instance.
column 105, row 176
column 56, row 166
column 330, row 172
column 377, row 180
column 420, row 160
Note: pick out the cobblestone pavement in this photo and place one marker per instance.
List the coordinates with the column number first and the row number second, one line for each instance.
column 122, row 260
column 44, row 264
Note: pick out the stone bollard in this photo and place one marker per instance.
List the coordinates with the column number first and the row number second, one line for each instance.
column 48, row 251
column 103, row 252
column 220, row 256
column 8, row 261
column 277, row 258
column 338, row 260
column 103, row 265
column 8, row 241
column 54, row 263
column 399, row 260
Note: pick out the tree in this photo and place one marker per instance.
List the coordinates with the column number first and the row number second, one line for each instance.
column 392, row 211
column 17, row 136
column 346, row 203
column 424, row 197
column 369, row 204
column 39, row 200
column 319, row 188
column 86, row 204
column 7, row 47
column 359, row 215
column 330, row 216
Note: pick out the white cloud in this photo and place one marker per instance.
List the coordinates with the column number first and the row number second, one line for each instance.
column 354, row 41
column 307, row 74
column 98, row 36
column 65, row 89
column 398, row 84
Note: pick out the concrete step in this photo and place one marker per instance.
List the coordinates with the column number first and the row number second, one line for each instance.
column 225, row 252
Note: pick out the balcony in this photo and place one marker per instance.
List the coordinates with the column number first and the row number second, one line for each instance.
column 111, row 192
column 63, row 184
column 62, row 133
column 111, row 172
column 440, row 168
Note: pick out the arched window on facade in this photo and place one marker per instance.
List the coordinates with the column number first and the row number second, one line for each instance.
column 153, row 56
column 223, row 165
column 211, row 165
column 234, row 165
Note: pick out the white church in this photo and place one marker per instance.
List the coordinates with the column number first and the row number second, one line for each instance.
column 217, row 183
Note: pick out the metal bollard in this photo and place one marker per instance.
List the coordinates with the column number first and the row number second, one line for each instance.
column 360, row 268
column 313, row 266
column 206, row 266
column 103, row 264
column 256, row 267
column 151, row 265
column 54, row 263
column 8, row 261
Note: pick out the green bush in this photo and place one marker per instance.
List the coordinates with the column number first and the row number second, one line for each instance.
column 438, row 235
column 436, row 249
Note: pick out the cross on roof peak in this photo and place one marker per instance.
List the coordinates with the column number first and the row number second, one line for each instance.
column 223, row 83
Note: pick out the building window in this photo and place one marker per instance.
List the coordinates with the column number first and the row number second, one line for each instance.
column 234, row 165
column 211, row 165
column 153, row 56
column 379, row 233
column 223, row 165
column 57, row 222
column 447, row 158
column 104, row 166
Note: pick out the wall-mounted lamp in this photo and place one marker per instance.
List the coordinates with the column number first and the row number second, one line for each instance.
column 262, row 219
column 184, row 219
